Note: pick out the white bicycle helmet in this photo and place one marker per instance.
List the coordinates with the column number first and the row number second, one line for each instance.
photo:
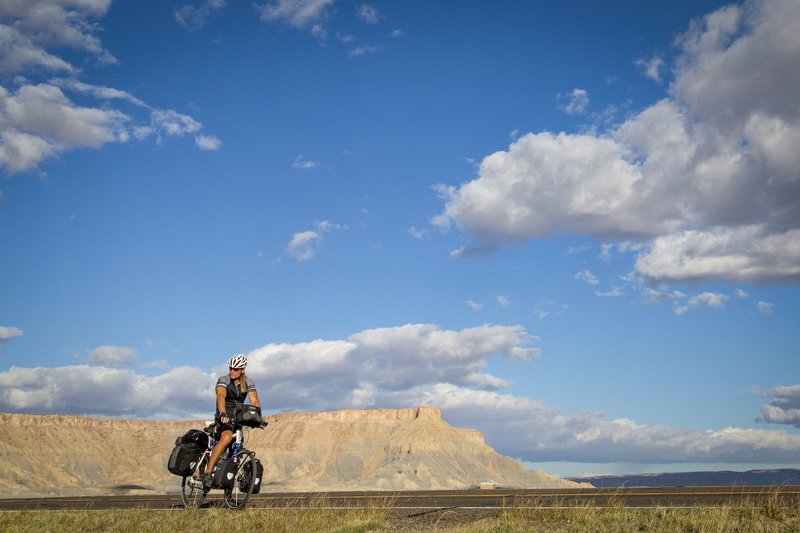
column 237, row 361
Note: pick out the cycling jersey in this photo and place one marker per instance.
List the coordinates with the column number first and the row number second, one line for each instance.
column 233, row 395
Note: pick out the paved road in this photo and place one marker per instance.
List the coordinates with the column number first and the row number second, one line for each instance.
column 429, row 500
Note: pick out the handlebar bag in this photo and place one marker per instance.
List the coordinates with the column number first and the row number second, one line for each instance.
column 248, row 415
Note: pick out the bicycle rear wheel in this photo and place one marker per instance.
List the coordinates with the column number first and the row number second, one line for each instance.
column 237, row 496
column 193, row 490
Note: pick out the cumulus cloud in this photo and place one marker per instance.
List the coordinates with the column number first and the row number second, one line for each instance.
column 414, row 364
column 38, row 118
column 707, row 179
column 194, row 17
column 502, row 301
column 28, row 28
column 100, row 390
column 9, row 332
column 295, row 13
column 784, row 408
column 113, row 356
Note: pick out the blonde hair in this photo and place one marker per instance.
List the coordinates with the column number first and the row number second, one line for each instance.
column 242, row 382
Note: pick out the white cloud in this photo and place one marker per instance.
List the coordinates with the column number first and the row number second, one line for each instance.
column 9, row 332
column 740, row 293
column 587, row 277
column 194, row 17
column 363, row 50
column 418, row 233
column 300, row 162
column 103, row 391
column 502, row 301
column 613, row 293
column 708, row 176
column 305, row 245
column 785, row 406
column 208, row 142
column 28, row 27
column 295, row 13
column 748, row 253
column 475, row 306
column 368, row 14
column 710, row 299
column 532, row 431
column 651, row 68
column 764, row 308
column 38, row 120
column 113, row 356
column 578, row 101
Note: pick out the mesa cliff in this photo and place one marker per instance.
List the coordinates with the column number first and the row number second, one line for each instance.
column 379, row 449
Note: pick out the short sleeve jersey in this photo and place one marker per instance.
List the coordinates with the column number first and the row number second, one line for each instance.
column 233, row 395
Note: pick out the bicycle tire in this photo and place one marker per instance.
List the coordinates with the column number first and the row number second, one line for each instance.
column 244, row 482
column 193, row 491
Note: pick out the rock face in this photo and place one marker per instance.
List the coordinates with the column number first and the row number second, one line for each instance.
column 385, row 449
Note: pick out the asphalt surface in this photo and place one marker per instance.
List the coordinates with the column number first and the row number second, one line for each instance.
column 426, row 501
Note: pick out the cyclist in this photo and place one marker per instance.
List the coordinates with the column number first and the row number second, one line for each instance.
column 231, row 390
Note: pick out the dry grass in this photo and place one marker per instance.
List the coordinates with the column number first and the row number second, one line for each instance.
column 770, row 515
column 311, row 517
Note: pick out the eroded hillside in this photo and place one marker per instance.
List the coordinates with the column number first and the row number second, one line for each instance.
column 386, row 449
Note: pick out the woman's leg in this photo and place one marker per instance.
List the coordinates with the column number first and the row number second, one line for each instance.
column 222, row 444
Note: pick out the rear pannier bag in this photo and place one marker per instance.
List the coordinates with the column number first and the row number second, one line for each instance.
column 184, row 458
column 248, row 415
column 224, row 474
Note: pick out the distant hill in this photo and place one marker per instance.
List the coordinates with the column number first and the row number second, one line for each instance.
column 725, row 478
column 382, row 449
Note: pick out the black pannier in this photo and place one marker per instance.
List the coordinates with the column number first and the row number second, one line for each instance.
column 183, row 459
column 194, row 436
column 259, row 470
column 224, row 474
column 248, row 415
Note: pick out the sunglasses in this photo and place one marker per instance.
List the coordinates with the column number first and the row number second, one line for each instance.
column 232, row 369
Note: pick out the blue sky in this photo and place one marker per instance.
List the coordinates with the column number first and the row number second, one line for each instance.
column 571, row 226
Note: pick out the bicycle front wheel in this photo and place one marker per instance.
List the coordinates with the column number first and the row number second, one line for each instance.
column 237, row 496
column 193, row 490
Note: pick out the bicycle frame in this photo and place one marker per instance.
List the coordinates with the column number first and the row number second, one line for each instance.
column 194, row 490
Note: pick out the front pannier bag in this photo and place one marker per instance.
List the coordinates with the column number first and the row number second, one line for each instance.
column 259, row 472
column 224, row 474
column 248, row 415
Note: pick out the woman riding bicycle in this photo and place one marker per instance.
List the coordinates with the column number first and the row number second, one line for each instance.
column 232, row 390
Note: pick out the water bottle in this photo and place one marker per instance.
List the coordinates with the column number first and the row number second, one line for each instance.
column 235, row 450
